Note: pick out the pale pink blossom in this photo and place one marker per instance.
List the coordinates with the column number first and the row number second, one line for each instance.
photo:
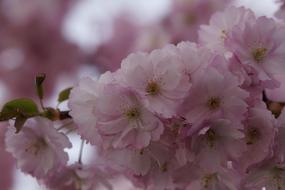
column 204, row 178
column 158, row 78
column 82, row 103
column 133, row 162
column 259, row 132
column 221, row 24
column 38, row 147
column 185, row 17
column 78, row 177
column 269, row 175
column 214, row 95
column 194, row 57
column 261, row 45
column 217, row 143
column 123, row 120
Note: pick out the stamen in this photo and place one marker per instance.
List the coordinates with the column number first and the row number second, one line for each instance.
column 35, row 146
column 132, row 113
column 214, row 103
column 206, row 180
column 259, row 54
column 152, row 88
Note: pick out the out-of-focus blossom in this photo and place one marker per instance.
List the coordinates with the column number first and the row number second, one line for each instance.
column 180, row 24
column 108, row 55
column 34, row 45
column 186, row 17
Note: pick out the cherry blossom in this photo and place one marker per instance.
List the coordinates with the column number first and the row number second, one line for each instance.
column 123, row 120
column 39, row 148
column 190, row 116
column 214, row 95
column 78, row 177
column 221, row 24
column 158, row 78
column 259, row 44
column 259, row 137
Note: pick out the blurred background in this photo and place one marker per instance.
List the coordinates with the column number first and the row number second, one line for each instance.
column 68, row 39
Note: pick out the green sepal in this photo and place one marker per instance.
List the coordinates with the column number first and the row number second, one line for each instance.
column 19, row 122
column 64, row 95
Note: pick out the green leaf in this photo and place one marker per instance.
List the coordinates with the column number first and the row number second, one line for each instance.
column 22, row 106
column 39, row 85
column 64, row 95
column 19, row 122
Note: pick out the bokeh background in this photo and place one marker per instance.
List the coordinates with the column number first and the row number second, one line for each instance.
column 68, row 39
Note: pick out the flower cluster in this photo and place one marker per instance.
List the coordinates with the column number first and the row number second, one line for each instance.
column 189, row 116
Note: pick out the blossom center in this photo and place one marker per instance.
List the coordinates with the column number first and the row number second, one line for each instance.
column 35, row 146
column 252, row 135
column 152, row 88
column 207, row 179
column 133, row 113
column 259, row 54
column 214, row 103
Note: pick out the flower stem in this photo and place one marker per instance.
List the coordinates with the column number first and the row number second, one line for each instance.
column 81, row 152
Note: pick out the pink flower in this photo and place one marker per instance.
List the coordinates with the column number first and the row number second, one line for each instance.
column 194, row 177
column 185, row 18
column 221, row 24
column 217, row 144
column 123, row 121
column 135, row 162
column 269, row 175
column 78, row 177
column 38, row 148
column 261, row 45
column 200, row 57
column 214, row 95
column 158, row 78
column 259, row 137
column 82, row 103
